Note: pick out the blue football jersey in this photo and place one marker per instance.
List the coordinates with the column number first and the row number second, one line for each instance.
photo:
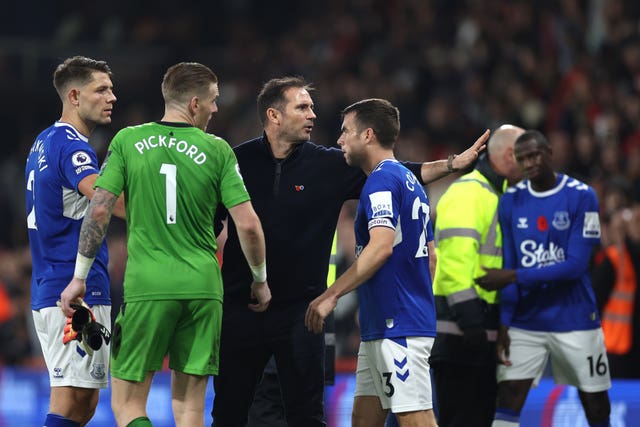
column 58, row 160
column 398, row 300
column 548, row 238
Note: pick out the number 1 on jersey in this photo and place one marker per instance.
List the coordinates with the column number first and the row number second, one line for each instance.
column 170, row 172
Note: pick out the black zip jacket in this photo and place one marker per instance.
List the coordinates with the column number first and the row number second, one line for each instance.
column 298, row 201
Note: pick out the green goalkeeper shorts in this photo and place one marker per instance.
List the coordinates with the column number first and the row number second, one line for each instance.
column 188, row 331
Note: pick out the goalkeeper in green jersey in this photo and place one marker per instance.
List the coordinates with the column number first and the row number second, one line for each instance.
column 173, row 175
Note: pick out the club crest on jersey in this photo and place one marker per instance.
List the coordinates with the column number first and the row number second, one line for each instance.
column 97, row 371
column 80, row 158
column 561, row 220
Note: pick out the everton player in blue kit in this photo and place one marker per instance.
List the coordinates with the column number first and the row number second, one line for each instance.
column 549, row 225
column 394, row 244
column 60, row 172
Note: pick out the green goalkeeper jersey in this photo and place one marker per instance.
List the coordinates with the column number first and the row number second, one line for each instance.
column 173, row 175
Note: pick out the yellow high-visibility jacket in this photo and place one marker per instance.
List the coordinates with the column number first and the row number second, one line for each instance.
column 468, row 236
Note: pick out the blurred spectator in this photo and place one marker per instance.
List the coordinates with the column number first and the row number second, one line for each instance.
column 16, row 341
column 615, row 279
column 585, row 156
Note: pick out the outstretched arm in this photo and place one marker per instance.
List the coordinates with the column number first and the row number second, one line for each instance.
column 432, row 171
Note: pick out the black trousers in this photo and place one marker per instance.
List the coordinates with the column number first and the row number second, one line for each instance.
column 465, row 395
column 248, row 340
column 267, row 409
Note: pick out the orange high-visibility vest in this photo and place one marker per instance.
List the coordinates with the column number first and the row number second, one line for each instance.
column 617, row 316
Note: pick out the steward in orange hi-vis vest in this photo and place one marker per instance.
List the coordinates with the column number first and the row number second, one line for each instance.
column 617, row 316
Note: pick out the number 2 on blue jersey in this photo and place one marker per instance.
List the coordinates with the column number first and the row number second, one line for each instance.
column 418, row 206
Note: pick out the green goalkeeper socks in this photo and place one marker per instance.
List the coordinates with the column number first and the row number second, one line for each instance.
column 140, row 422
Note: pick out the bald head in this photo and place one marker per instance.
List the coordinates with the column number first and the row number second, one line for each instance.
column 503, row 138
column 500, row 149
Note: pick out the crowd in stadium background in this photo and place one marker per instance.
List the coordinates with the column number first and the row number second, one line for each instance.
column 569, row 68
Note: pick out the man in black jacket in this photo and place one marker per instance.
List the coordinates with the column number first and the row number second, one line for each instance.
column 297, row 188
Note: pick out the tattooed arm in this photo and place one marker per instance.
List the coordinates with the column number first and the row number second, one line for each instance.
column 94, row 227
column 96, row 222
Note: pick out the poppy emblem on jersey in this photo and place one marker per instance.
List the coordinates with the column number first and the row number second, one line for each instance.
column 80, row 158
column 561, row 220
column 543, row 224
column 299, row 187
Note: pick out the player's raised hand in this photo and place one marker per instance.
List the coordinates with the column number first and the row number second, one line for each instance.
column 470, row 155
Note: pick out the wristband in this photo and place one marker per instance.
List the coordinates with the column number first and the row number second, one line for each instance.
column 83, row 265
column 259, row 272
column 450, row 167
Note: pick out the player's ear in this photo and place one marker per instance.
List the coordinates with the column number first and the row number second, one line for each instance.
column 369, row 134
column 74, row 96
column 273, row 115
column 194, row 104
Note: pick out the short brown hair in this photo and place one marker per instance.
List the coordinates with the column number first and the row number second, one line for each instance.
column 379, row 115
column 186, row 79
column 77, row 69
column 272, row 94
